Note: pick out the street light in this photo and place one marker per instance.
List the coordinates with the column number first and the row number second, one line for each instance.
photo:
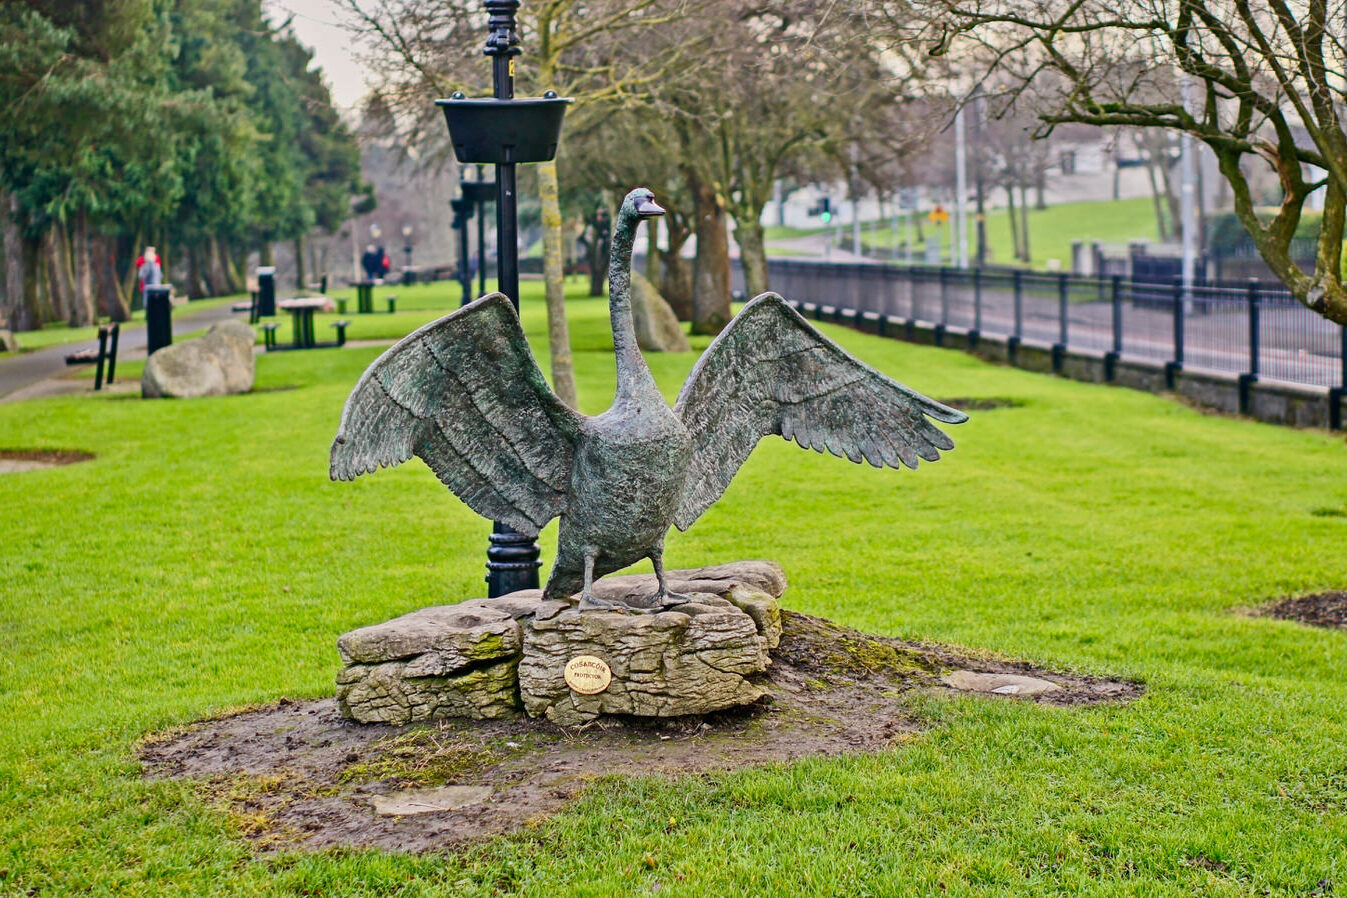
column 506, row 131
column 407, row 248
column 479, row 193
column 375, row 231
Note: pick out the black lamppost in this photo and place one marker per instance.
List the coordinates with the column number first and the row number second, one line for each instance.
column 407, row 248
column 480, row 192
column 506, row 131
column 462, row 214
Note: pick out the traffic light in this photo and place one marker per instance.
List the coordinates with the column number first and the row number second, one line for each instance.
column 825, row 206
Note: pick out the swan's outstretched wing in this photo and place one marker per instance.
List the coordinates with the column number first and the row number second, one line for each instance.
column 771, row 372
column 465, row 394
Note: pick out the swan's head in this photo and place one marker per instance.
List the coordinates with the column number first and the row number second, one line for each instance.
column 640, row 203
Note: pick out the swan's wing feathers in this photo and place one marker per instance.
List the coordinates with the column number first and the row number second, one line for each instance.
column 772, row 372
column 465, row 394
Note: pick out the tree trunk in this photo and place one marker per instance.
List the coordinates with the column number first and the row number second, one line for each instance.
column 265, row 255
column 1024, row 222
column 596, row 252
column 18, row 313
column 301, row 282
column 32, row 284
column 196, row 272
column 1016, row 251
column 235, row 279
column 676, row 274
column 58, row 275
column 652, row 256
column 554, row 281
column 111, row 301
column 711, row 267
column 82, row 309
column 753, row 255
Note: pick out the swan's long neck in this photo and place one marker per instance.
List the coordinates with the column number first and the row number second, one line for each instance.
column 633, row 376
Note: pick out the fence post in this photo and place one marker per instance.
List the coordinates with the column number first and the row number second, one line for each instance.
column 976, row 333
column 1336, row 394
column 1059, row 348
column 1248, row 378
column 1013, row 343
column 944, row 307
column 1111, row 357
column 1173, row 367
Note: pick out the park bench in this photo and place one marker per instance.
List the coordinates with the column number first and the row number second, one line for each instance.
column 108, row 335
column 269, row 335
column 250, row 307
column 341, row 331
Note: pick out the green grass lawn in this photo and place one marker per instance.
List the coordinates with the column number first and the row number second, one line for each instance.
column 1051, row 230
column 204, row 562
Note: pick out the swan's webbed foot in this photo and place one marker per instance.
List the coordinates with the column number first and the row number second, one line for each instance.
column 591, row 602
column 663, row 599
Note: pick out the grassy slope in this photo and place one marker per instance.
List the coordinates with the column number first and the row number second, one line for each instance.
column 1052, row 230
column 204, row 562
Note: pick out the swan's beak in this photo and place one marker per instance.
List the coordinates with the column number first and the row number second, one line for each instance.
column 647, row 208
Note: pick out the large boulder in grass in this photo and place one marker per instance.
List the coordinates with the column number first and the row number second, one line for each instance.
column 221, row 362
column 657, row 327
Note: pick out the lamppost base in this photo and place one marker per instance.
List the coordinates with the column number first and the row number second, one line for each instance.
column 511, row 562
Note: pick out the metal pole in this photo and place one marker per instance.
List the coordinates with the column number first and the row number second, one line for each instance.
column 978, row 185
column 1062, row 303
column 1253, row 329
column 512, row 558
column 1117, row 314
column 481, row 239
column 503, row 46
column 1187, row 206
column 961, row 188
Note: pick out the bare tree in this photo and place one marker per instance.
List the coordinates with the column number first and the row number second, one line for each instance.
column 428, row 49
column 1258, row 81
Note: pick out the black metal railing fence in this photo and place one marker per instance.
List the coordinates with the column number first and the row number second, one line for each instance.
column 1253, row 330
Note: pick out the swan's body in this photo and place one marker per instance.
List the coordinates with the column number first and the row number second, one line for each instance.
column 465, row 394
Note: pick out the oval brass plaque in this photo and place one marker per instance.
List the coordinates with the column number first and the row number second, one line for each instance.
column 588, row 675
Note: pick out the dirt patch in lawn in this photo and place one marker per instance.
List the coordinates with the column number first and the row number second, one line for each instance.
column 297, row 774
column 1324, row 609
column 12, row 461
column 966, row 404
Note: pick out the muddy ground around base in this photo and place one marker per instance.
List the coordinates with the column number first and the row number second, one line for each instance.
column 298, row 775
column 1324, row 609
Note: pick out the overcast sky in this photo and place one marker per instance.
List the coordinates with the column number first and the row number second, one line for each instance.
column 317, row 24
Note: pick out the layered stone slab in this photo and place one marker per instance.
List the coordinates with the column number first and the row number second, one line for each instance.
column 491, row 658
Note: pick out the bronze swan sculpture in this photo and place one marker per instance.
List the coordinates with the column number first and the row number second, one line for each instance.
column 465, row 395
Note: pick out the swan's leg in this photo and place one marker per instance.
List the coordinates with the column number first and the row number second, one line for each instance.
column 589, row 601
column 663, row 598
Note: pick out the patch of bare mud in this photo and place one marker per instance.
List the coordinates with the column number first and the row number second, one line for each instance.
column 299, row 775
column 1324, row 609
column 13, row 461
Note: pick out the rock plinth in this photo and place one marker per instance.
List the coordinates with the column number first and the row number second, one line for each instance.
column 219, row 363
column 492, row 658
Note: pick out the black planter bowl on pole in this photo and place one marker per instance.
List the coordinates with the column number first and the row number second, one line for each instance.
column 525, row 129
column 506, row 131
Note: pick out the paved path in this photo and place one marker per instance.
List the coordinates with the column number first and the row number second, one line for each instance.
column 28, row 368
